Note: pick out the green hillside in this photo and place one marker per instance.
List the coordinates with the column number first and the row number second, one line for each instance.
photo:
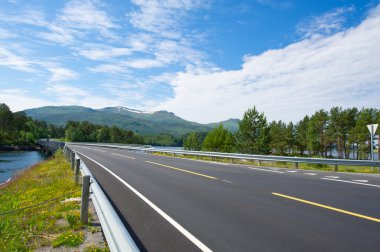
column 137, row 121
column 231, row 124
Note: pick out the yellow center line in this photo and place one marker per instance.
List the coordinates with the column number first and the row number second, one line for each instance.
column 122, row 155
column 328, row 207
column 178, row 169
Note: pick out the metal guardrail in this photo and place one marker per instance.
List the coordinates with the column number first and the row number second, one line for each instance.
column 259, row 158
column 117, row 236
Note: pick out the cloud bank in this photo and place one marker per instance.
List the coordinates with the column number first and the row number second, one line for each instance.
column 288, row 83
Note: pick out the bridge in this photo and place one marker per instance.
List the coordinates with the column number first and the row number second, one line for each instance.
column 172, row 204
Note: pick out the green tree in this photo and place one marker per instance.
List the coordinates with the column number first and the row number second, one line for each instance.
column 301, row 135
column 279, row 137
column 103, row 134
column 192, row 142
column 6, row 117
column 253, row 134
column 317, row 133
column 359, row 135
column 350, row 116
column 219, row 139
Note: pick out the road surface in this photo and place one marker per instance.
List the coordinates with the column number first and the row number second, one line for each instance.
column 174, row 204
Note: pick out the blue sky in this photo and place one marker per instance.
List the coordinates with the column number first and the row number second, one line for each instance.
column 206, row 61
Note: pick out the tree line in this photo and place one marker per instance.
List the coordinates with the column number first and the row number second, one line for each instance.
column 341, row 130
column 19, row 129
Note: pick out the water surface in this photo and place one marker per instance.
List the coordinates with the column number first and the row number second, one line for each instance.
column 15, row 161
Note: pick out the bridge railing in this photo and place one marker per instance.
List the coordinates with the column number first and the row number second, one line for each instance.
column 50, row 145
column 238, row 156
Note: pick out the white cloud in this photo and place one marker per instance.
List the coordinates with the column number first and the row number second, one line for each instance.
column 73, row 95
column 16, row 62
column 76, row 20
column 18, row 99
column 143, row 63
column 109, row 68
column 87, row 15
column 339, row 70
column 162, row 17
column 58, row 34
column 5, row 34
column 29, row 15
column 60, row 74
column 103, row 52
column 325, row 24
column 59, row 95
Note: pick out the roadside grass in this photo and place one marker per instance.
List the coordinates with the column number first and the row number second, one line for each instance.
column 54, row 224
column 303, row 166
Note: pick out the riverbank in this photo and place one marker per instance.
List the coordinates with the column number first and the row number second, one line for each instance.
column 53, row 224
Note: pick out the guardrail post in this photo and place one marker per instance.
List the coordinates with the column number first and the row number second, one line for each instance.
column 336, row 167
column 68, row 155
column 259, row 162
column 72, row 160
column 77, row 166
column 85, row 199
column 296, row 165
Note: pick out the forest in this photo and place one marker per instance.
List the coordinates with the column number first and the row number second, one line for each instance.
column 343, row 131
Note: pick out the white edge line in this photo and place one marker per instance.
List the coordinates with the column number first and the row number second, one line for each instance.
column 181, row 229
column 227, row 181
column 259, row 169
column 351, row 182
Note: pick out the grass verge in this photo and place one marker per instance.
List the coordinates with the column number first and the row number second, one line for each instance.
column 54, row 224
column 320, row 167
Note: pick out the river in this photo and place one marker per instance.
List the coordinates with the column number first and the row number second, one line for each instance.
column 13, row 162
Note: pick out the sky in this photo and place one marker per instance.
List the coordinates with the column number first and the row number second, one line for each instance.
column 204, row 60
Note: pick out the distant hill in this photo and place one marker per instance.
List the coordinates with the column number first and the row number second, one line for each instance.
column 139, row 121
column 231, row 124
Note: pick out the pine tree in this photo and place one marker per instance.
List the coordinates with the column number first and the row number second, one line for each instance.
column 253, row 134
column 192, row 142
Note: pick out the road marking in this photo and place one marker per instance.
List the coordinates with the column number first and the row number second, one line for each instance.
column 122, row 155
column 328, row 207
column 361, row 180
column 181, row 229
column 227, row 181
column 291, row 171
column 259, row 169
column 99, row 150
column 311, row 174
column 351, row 182
column 178, row 169
column 334, row 177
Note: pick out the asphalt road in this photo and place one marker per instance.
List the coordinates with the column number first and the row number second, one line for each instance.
column 173, row 204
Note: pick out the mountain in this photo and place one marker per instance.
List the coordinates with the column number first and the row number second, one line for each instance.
column 139, row 121
column 231, row 124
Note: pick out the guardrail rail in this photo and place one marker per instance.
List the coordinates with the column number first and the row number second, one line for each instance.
column 233, row 156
